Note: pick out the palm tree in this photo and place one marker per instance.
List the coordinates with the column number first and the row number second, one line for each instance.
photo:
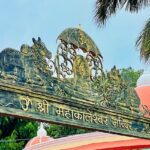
column 106, row 8
column 143, row 42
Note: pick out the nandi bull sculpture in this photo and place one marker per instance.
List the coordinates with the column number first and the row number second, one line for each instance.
column 29, row 65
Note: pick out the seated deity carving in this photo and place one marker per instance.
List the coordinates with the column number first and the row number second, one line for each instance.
column 81, row 72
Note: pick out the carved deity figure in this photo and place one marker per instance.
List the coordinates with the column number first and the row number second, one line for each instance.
column 81, row 72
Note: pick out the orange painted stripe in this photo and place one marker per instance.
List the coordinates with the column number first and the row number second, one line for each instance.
column 118, row 145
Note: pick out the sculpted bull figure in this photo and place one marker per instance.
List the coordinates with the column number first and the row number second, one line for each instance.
column 29, row 65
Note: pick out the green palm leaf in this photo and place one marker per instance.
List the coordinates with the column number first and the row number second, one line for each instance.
column 106, row 8
column 143, row 42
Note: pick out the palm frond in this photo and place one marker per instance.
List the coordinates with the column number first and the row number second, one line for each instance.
column 143, row 42
column 136, row 5
column 106, row 8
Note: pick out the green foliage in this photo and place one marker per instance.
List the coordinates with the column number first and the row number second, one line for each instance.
column 130, row 76
column 143, row 42
column 15, row 132
column 10, row 143
column 58, row 131
column 107, row 8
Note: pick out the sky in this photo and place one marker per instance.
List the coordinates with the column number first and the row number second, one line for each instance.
column 20, row 20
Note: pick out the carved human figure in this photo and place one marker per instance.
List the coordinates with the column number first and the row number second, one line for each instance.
column 81, row 72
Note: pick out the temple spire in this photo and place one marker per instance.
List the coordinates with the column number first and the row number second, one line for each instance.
column 41, row 131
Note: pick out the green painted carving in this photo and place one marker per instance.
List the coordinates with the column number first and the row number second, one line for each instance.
column 71, row 89
column 81, row 72
column 114, row 92
column 79, row 39
column 36, row 67
column 72, row 42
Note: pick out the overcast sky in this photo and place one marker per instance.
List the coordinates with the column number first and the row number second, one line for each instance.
column 20, row 20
